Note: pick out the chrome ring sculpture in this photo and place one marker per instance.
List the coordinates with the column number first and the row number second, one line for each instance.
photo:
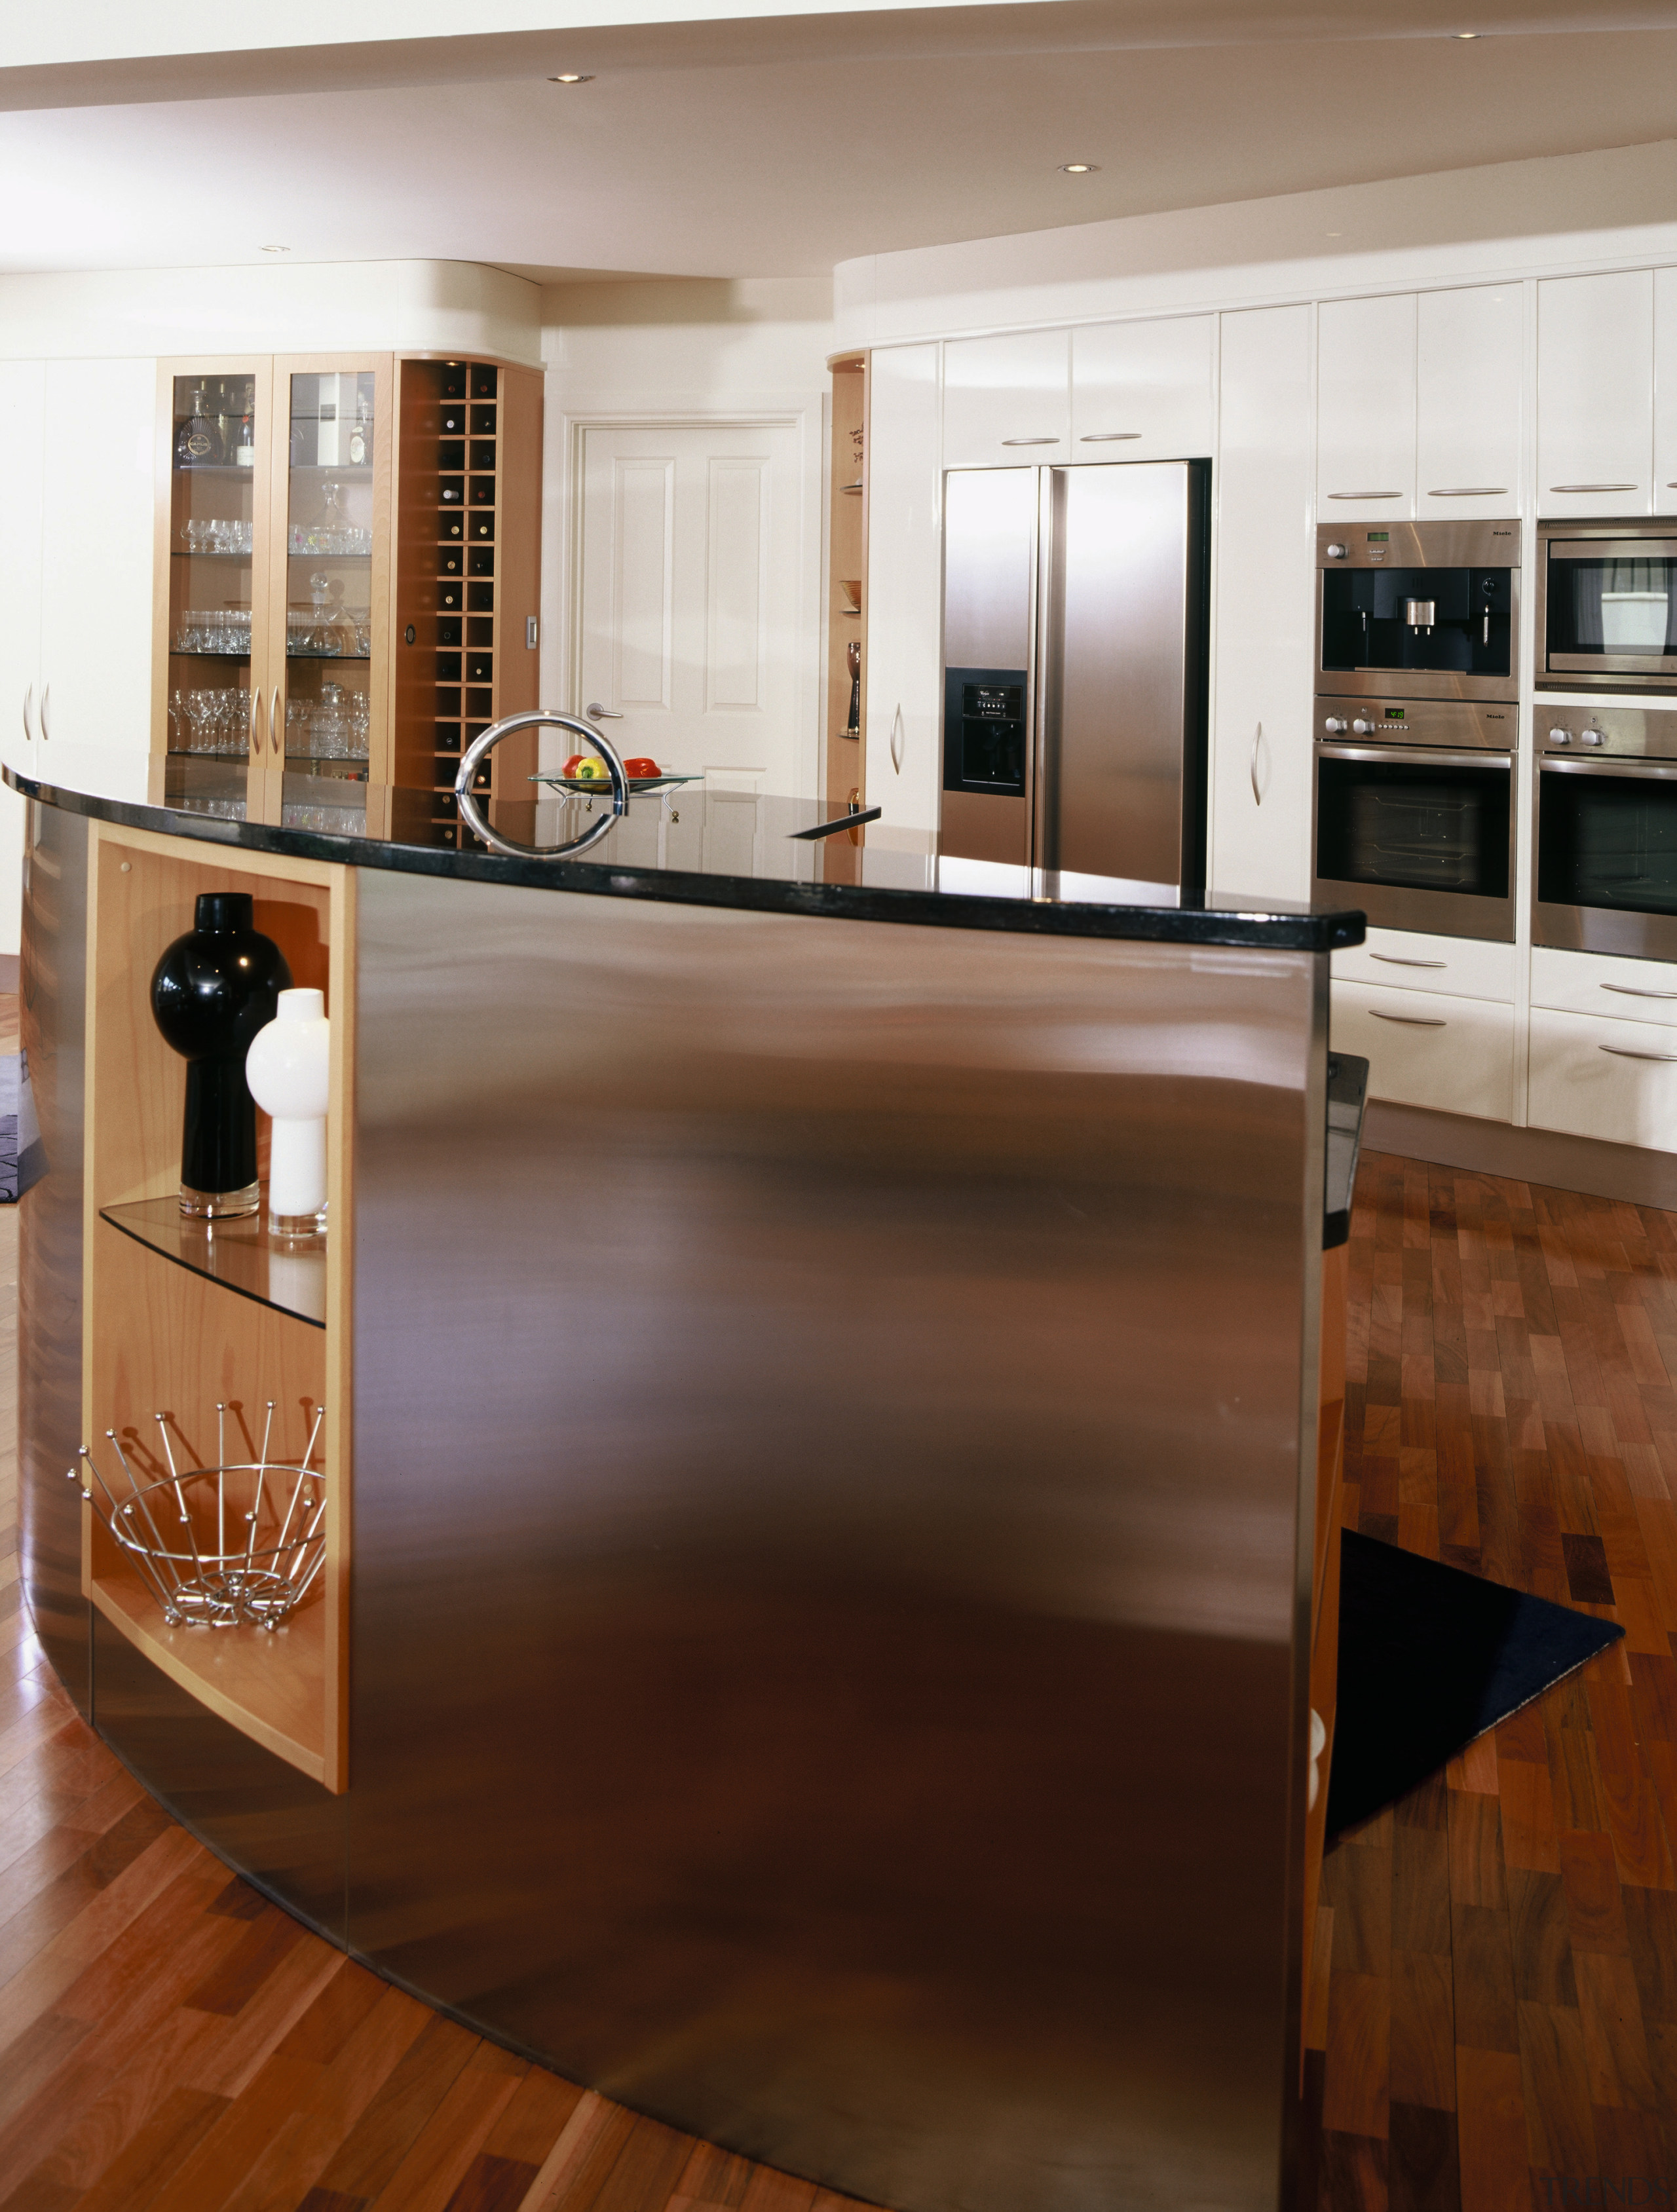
column 542, row 718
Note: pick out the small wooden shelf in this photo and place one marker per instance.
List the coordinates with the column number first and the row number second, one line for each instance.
column 284, row 1273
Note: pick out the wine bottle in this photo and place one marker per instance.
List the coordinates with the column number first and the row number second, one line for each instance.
column 224, row 424
column 195, row 443
column 244, row 451
column 360, row 434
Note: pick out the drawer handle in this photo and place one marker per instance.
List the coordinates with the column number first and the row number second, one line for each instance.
column 1619, row 487
column 1107, row 437
column 1624, row 1052
column 1470, row 491
column 1427, row 1022
column 1394, row 960
column 1630, row 991
column 1365, row 494
column 1030, row 442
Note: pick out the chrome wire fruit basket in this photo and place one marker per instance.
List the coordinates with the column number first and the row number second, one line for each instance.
column 240, row 1542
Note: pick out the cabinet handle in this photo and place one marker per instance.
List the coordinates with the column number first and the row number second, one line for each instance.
column 1257, row 739
column 1365, row 494
column 1619, row 487
column 1629, row 991
column 256, row 719
column 1030, row 442
column 28, row 701
column 1106, row 437
column 46, row 694
column 275, row 736
column 1392, row 960
column 1417, row 1021
column 898, row 735
column 1625, row 1051
column 1470, row 491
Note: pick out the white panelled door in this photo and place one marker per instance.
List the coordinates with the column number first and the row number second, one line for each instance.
column 23, row 406
column 904, row 674
column 690, row 600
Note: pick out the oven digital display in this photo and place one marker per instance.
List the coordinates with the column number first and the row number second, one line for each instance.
column 1380, row 537
column 1395, row 714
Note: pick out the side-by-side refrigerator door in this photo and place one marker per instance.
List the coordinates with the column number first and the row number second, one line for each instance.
column 1123, row 674
column 989, row 562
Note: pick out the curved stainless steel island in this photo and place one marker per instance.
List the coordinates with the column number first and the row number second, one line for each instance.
column 822, row 1372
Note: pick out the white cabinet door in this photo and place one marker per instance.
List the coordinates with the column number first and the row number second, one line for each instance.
column 1614, row 1080
column 1596, row 394
column 1366, row 460
column 1455, row 1055
column 1604, row 983
column 1007, row 400
column 1413, row 960
column 1468, row 389
column 1665, row 392
column 98, row 521
column 1143, row 392
column 1262, row 761
column 22, row 408
column 904, row 674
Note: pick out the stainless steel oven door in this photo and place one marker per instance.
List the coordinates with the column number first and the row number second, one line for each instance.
column 1420, row 838
column 1606, row 877
column 1606, row 608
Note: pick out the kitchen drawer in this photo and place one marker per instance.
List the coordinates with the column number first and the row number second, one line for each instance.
column 1603, row 983
column 1616, row 1080
column 1407, row 959
column 1423, row 1048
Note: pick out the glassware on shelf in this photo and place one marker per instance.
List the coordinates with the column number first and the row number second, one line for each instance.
column 217, row 535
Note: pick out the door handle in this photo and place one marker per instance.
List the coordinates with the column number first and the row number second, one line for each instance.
column 1629, row 991
column 256, row 719
column 1417, row 1021
column 275, row 738
column 1617, row 487
column 46, row 694
column 1104, row 437
column 1257, row 739
column 1470, row 491
column 28, row 701
column 598, row 714
column 1392, row 960
column 1625, row 1051
column 898, row 735
column 1366, row 494
column 1030, row 442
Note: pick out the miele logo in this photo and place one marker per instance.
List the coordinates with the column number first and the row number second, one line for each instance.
column 1494, row 714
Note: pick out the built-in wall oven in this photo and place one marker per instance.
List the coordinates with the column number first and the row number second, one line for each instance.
column 1606, row 878
column 1607, row 606
column 1415, row 814
column 1417, row 610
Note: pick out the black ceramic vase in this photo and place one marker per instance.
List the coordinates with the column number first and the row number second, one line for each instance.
column 210, row 993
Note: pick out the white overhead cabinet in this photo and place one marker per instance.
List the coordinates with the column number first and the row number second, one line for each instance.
column 1665, row 392
column 1261, row 763
column 1365, row 410
column 1468, row 395
column 1596, row 394
column 1143, row 392
column 903, row 673
column 1007, row 401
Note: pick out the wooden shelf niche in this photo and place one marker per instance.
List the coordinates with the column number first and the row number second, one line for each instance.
column 161, row 1334
column 846, row 582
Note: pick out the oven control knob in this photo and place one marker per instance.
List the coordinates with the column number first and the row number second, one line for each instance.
column 1591, row 738
column 1561, row 737
column 1361, row 729
column 1334, row 726
column 1336, row 552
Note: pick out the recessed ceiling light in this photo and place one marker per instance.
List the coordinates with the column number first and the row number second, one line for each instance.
column 1078, row 168
column 571, row 77
column 1336, row 234
column 1464, row 34
column 277, row 249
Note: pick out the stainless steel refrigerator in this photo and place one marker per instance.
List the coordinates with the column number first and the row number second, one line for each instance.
column 1075, row 644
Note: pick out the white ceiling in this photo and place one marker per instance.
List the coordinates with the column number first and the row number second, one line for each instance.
column 778, row 146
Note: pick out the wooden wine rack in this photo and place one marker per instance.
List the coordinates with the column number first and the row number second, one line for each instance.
column 468, row 530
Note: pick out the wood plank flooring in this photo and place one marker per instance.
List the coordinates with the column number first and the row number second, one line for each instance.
column 1495, row 2021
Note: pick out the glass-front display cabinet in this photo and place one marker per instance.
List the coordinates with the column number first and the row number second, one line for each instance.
column 301, row 500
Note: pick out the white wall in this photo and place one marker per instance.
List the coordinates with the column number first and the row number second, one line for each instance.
column 664, row 349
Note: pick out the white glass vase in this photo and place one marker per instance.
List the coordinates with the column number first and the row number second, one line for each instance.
column 287, row 1069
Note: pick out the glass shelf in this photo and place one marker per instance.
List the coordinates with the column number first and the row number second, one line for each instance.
column 215, row 469
column 288, row 1273
column 600, row 787
column 199, row 653
column 296, row 553
column 206, row 553
column 347, row 471
column 302, row 652
column 185, row 752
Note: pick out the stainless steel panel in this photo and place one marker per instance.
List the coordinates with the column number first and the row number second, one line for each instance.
column 52, row 982
column 1453, row 725
column 1120, row 577
column 1419, row 545
column 1632, row 732
column 829, row 1462
column 989, row 532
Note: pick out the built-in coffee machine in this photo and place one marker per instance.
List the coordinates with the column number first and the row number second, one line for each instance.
column 1416, row 724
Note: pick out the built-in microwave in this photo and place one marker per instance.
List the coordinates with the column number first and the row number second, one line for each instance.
column 1607, row 606
column 1417, row 610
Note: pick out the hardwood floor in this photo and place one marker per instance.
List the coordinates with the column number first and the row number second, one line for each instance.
column 1495, row 2021
column 1498, row 2022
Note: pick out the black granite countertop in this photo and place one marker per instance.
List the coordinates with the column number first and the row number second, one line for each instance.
column 691, row 844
